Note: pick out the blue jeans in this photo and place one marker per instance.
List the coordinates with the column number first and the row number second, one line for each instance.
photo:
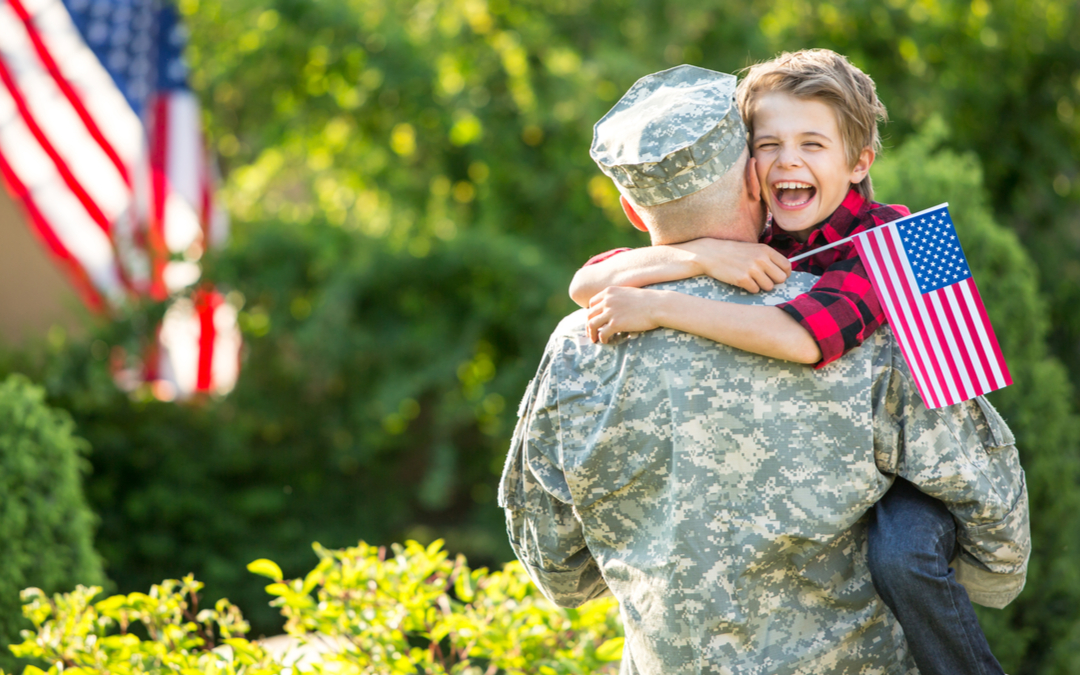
column 912, row 539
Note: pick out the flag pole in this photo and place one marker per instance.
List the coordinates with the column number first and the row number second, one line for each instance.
column 847, row 239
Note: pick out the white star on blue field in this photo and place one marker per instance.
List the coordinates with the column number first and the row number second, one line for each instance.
column 933, row 250
column 140, row 43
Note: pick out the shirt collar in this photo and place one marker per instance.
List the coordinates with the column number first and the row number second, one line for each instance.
column 832, row 229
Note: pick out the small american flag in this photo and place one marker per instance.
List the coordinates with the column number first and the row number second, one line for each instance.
column 922, row 277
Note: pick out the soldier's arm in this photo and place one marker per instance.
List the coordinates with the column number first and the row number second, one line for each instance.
column 753, row 267
column 769, row 331
column 965, row 456
column 545, row 534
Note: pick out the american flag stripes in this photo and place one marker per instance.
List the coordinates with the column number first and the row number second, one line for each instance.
column 101, row 143
column 923, row 280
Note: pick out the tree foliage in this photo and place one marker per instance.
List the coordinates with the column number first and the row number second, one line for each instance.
column 411, row 191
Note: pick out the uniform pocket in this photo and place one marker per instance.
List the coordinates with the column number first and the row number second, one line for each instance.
column 992, row 430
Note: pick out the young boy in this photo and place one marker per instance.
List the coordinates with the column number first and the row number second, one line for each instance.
column 812, row 118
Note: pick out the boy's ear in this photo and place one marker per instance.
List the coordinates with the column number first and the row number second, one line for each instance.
column 635, row 219
column 753, row 185
column 862, row 166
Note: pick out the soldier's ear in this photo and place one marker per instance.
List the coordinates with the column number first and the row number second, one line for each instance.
column 753, row 185
column 635, row 219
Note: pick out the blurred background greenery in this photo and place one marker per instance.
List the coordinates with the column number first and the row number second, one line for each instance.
column 410, row 190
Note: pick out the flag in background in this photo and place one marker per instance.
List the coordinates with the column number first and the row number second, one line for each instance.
column 101, row 142
column 923, row 280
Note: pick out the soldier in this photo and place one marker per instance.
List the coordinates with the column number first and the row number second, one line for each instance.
column 722, row 496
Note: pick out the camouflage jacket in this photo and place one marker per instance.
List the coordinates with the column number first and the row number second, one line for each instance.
column 722, row 496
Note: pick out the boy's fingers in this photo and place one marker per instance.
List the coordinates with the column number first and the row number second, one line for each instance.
column 781, row 262
column 777, row 275
column 763, row 280
column 749, row 284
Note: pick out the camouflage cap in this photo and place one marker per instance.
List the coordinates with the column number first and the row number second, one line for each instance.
column 674, row 133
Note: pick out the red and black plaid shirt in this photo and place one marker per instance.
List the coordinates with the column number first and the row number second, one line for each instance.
column 842, row 309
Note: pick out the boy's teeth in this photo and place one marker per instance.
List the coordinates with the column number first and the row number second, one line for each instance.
column 791, row 193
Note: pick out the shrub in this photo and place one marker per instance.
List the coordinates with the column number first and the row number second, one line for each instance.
column 409, row 610
column 45, row 525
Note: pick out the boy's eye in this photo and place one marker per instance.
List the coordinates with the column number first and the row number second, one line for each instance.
column 765, row 146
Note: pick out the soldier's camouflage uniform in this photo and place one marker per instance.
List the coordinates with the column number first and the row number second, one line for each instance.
column 722, row 496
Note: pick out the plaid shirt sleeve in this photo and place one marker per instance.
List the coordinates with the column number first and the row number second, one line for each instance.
column 840, row 311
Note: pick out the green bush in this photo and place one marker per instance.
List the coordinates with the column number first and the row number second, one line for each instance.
column 45, row 525
column 408, row 610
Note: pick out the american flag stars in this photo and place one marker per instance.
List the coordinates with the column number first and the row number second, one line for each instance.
column 934, row 250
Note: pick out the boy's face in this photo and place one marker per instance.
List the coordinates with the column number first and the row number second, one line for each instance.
column 801, row 162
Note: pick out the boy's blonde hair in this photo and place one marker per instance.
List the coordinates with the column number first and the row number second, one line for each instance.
column 824, row 75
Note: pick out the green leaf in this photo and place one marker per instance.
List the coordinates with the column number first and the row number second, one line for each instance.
column 611, row 650
column 265, row 568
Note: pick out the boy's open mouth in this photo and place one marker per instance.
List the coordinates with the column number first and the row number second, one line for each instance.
column 793, row 194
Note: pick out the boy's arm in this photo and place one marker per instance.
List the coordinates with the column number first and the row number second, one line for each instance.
column 768, row 331
column 752, row 267
column 841, row 310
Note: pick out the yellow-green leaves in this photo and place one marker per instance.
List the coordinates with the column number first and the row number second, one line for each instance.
column 611, row 650
column 265, row 568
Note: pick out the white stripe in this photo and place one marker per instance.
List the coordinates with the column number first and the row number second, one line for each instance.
column 58, row 121
column 184, row 161
column 967, row 390
column 179, row 339
column 984, row 340
column 95, row 87
column 953, row 396
column 901, row 306
column 183, row 144
column 225, row 366
column 61, row 210
column 955, row 301
column 874, row 267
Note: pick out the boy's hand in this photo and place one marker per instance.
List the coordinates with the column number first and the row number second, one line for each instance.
column 619, row 309
column 752, row 267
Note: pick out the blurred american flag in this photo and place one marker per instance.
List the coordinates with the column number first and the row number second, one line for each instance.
column 101, row 142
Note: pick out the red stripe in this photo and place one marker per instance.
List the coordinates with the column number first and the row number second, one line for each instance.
column 206, row 304
column 939, row 337
column 159, row 145
column 977, row 299
column 207, row 202
column 979, row 346
column 61, row 166
column 896, row 318
column 69, row 92
column 933, row 370
column 947, row 304
column 75, row 272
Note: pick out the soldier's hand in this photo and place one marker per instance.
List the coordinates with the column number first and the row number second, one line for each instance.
column 620, row 309
column 752, row 267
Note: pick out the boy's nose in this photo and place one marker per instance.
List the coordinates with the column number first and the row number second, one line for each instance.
column 789, row 157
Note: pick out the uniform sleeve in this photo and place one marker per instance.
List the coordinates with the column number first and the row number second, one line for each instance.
column 965, row 456
column 840, row 311
column 544, row 532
